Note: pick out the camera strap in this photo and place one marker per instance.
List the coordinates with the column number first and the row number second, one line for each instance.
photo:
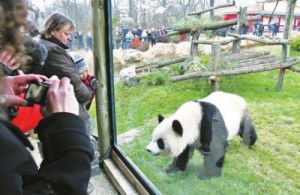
column 6, row 70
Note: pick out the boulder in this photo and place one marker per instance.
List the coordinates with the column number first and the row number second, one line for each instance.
column 128, row 76
column 132, row 56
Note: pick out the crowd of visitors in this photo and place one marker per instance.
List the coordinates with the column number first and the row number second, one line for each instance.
column 132, row 38
column 259, row 28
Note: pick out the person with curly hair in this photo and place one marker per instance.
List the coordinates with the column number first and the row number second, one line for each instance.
column 67, row 151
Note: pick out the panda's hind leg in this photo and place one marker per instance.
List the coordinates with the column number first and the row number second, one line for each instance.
column 213, row 162
column 179, row 163
column 247, row 131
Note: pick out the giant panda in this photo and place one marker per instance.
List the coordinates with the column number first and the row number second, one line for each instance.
column 207, row 125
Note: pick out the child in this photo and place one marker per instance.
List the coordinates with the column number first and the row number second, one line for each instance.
column 90, row 81
column 92, row 85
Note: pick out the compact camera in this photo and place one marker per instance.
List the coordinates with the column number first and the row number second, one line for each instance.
column 36, row 93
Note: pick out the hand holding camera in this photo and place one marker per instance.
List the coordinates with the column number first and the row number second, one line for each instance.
column 12, row 86
column 53, row 94
column 61, row 97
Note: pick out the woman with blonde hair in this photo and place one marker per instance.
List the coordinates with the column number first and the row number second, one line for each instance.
column 55, row 35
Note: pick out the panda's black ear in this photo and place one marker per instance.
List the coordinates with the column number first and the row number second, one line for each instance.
column 177, row 127
column 160, row 118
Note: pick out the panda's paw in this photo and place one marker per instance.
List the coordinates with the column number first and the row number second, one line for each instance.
column 172, row 169
column 204, row 175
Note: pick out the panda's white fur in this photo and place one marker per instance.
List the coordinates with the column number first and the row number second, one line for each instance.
column 232, row 108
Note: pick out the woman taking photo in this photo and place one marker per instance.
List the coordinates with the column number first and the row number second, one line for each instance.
column 55, row 35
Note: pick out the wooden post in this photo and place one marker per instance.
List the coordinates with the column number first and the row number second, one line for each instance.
column 215, row 53
column 194, row 46
column 239, row 28
column 211, row 13
column 101, row 60
column 288, row 20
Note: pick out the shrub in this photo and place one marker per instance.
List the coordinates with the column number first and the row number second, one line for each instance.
column 178, row 69
column 155, row 78
column 296, row 44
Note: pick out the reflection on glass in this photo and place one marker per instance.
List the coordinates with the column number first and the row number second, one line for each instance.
column 150, row 59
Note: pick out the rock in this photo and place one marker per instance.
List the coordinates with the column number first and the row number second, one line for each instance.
column 163, row 49
column 132, row 55
column 119, row 61
column 128, row 76
column 182, row 49
column 127, row 137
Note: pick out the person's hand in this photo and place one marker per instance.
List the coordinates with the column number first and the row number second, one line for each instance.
column 60, row 97
column 9, row 60
column 12, row 86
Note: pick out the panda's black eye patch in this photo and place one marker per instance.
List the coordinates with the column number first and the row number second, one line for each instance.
column 160, row 144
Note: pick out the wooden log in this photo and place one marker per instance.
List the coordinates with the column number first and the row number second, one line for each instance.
column 215, row 24
column 101, row 64
column 177, row 32
column 252, row 59
column 246, row 55
column 237, row 43
column 243, row 70
column 158, row 65
column 209, row 42
column 253, row 62
column 259, row 40
column 290, row 9
column 295, row 69
column 211, row 8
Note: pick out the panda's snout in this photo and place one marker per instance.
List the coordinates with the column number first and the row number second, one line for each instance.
column 151, row 152
column 151, row 149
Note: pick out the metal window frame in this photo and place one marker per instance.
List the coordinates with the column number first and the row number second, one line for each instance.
column 113, row 147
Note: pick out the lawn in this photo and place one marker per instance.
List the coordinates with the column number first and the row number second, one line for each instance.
column 272, row 166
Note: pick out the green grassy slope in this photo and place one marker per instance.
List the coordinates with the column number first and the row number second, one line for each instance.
column 272, row 166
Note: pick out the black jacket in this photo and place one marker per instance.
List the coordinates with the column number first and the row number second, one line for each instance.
column 60, row 63
column 65, row 168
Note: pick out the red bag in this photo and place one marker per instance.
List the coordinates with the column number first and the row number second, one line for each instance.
column 28, row 117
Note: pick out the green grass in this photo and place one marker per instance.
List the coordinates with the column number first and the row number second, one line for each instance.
column 272, row 166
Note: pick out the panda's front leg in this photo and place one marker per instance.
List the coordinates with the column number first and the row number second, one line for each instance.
column 179, row 163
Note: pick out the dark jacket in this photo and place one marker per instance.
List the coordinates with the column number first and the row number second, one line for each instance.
column 65, row 168
column 60, row 63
